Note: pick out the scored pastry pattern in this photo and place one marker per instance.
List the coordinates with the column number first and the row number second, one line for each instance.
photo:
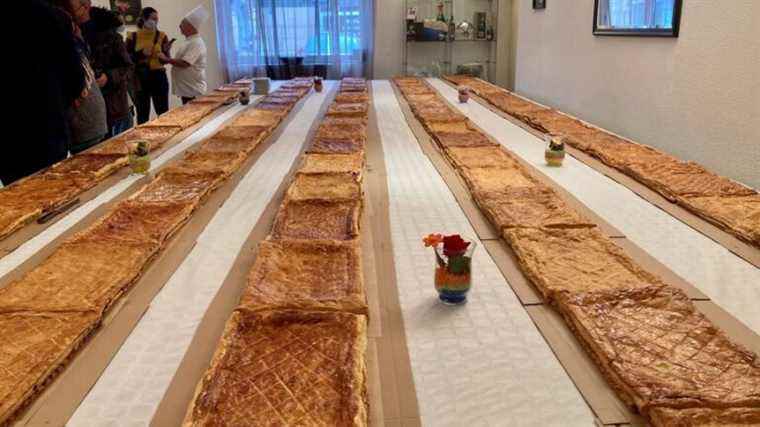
column 648, row 339
column 293, row 351
column 92, row 269
column 46, row 191
column 732, row 206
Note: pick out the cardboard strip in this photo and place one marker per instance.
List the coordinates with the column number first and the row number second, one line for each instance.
column 62, row 397
column 398, row 395
column 173, row 406
column 737, row 246
column 609, row 409
column 22, row 235
column 504, row 257
column 125, row 185
column 483, row 228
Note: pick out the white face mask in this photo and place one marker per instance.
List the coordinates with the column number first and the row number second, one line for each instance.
column 150, row 24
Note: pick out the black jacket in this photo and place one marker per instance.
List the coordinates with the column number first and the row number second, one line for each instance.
column 109, row 55
column 45, row 79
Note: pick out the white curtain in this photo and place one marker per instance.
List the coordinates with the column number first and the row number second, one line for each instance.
column 333, row 37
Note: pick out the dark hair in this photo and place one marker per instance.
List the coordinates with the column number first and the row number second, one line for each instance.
column 144, row 15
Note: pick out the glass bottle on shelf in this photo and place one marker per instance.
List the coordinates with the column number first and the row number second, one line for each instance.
column 440, row 17
column 452, row 28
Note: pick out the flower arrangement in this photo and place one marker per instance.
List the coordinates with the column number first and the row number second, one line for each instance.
column 139, row 158
column 464, row 94
column 453, row 257
column 555, row 151
column 318, row 84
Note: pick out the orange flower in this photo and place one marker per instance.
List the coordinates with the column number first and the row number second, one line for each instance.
column 432, row 240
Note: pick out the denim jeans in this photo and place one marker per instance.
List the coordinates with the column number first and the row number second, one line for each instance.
column 121, row 126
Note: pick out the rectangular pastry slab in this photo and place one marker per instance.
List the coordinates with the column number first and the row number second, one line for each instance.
column 285, row 368
column 317, row 275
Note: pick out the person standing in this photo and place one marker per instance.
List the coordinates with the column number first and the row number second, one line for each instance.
column 50, row 60
column 109, row 59
column 189, row 64
column 87, row 119
column 147, row 46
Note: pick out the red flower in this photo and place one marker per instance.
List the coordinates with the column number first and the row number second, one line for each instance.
column 432, row 240
column 454, row 245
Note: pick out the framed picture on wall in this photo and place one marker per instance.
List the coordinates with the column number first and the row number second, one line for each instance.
column 658, row 18
column 129, row 10
column 539, row 4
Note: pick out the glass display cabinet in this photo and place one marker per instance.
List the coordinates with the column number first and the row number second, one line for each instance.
column 450, row 36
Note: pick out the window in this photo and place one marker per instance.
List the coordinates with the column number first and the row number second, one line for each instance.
column 637, row 17
column 259, row 33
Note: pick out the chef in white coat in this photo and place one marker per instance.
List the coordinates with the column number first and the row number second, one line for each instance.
column 189, row 63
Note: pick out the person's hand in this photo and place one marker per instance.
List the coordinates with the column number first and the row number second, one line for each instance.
column 102, row 80
column 163, row 58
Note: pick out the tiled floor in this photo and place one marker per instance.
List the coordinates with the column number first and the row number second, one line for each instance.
column 481, row 364
column 129, row 391
column 728, row 280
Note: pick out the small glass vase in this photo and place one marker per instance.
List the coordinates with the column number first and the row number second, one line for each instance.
column 318, row 84
column 464, row 94
column 139, row 164
column 555, row 151
column 453, row 275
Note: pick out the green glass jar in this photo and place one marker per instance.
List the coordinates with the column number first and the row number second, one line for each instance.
column 139, row 157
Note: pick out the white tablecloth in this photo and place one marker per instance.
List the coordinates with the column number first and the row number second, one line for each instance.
column 480, row 364
column 130, row 389
column 727, row 279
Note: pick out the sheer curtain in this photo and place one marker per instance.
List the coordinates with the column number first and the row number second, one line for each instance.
column 334, row 36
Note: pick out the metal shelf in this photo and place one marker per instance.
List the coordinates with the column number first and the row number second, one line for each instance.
column 445, row 59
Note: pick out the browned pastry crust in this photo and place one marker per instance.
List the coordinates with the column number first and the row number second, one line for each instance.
column 44, row 191
column 222, row 145
column 620, row 154
column 333, row 163
column 11, row 219
column 32, row 347
column 343, row 131
column 513, row 105
column 209, row 161
column 277, row 98
column 344, row 88
column 218, row 96
column 431, row 115
column 351, row 98
column 178, row 187
column 532, row 207
column 184, row 116
column 458, row 79
column 97, row 165
column 78, row 276
column 574, row 260
column 254, row 117
column 481, row 157
column 317, row 220
column 419, row 89
column 335, row 145
column 358, row 109
column 324, row 186
column 268, row 106
column 422, row 99
column 344, row 121
column 155, row 135
column 494, row 180
column 133, row 222
column 285, row 368
column 705, row 417
column 552, row 121
column 246, row 133
column 315, row 275
column 675, row 178
column 739, row 215
column 657, row 350
column 453, row 127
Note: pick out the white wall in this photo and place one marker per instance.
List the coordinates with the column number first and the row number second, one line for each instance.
column 170, row 13
column 696, row 96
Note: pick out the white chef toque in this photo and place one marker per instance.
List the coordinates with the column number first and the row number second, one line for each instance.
column 197, row 17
